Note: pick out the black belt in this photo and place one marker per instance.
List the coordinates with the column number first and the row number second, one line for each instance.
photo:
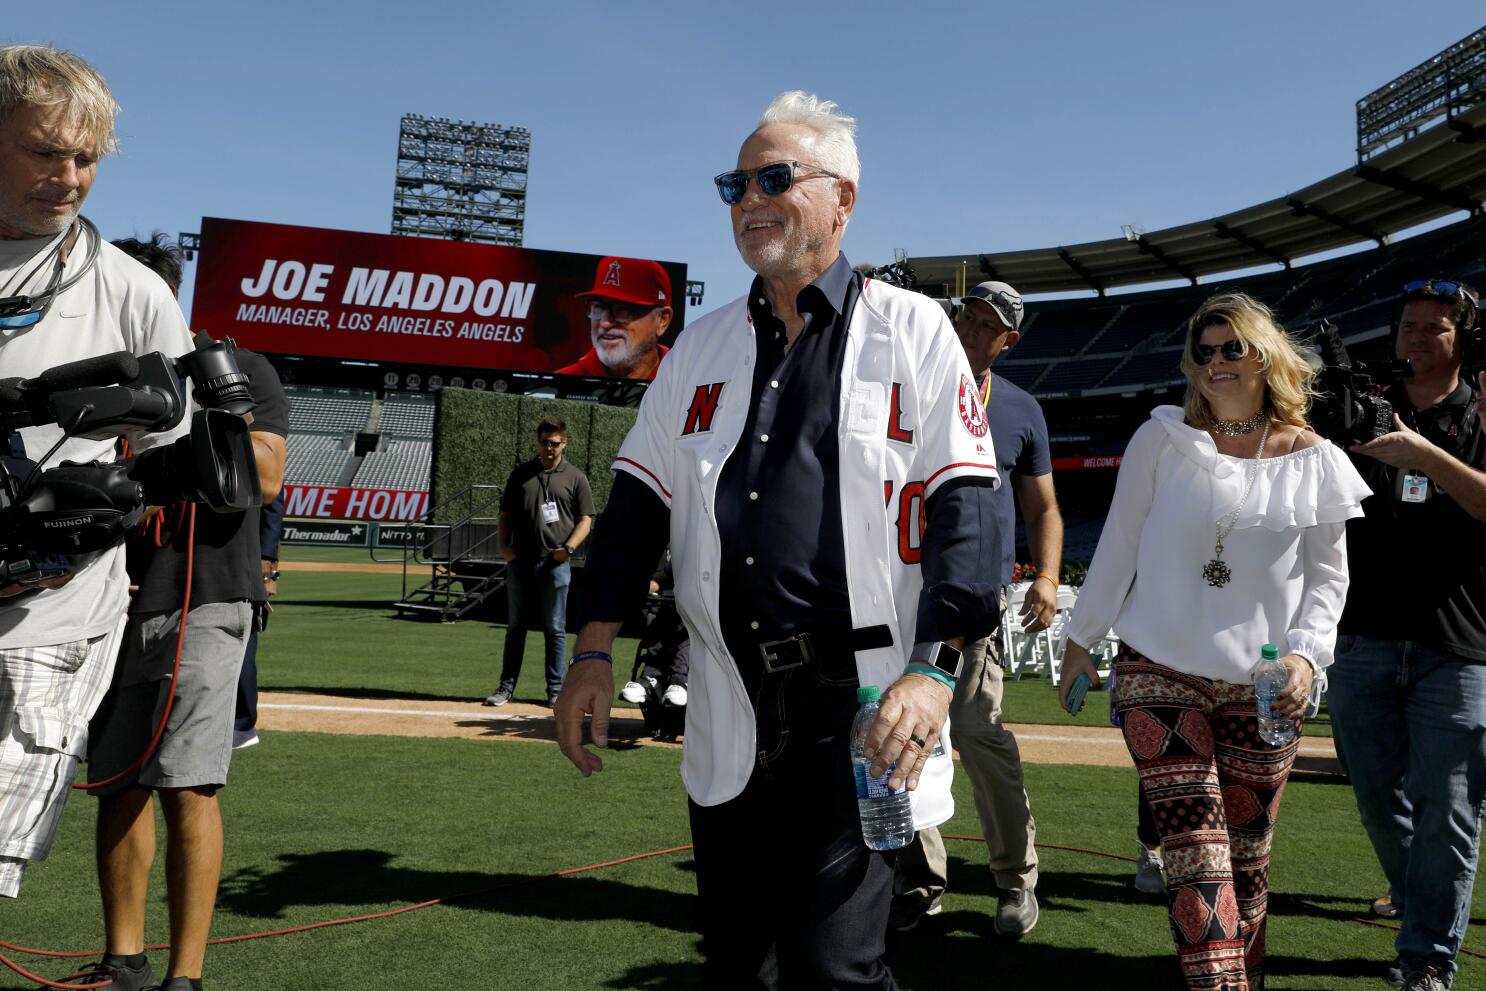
column 799, row 649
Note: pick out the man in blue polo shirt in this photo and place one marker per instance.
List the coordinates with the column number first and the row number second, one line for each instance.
column 988, row 324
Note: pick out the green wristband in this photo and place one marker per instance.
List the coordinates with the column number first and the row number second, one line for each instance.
column 929, row 670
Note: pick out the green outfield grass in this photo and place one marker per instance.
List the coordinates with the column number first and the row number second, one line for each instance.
column 325, row 826
column 322, row 826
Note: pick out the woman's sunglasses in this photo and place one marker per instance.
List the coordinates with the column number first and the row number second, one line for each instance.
column 1232, row 350
column 773, row 179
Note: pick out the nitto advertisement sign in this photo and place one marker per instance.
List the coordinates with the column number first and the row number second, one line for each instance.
column 339, row 294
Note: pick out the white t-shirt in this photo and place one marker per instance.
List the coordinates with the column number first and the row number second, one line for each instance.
column 1287, row 553
column 118, row 306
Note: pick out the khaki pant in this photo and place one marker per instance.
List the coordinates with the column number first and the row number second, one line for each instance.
column 989, row 756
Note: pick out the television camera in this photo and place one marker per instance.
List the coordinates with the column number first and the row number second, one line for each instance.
column 1348, row 408
column 49, row 515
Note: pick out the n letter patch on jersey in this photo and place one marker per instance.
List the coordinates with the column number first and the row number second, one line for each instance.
column 972, row 414
column 703, row 408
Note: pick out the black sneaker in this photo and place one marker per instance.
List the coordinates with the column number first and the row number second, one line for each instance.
column 178, row 984
column 122, row 977
column 906, row 913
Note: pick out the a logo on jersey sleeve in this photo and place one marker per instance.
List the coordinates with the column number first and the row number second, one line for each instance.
column 972, row 414
column 703, row 408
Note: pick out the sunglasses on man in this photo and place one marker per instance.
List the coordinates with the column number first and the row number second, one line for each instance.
column 1441, row 288
column 618, row 313
column 1232, row 350
column 773, row 179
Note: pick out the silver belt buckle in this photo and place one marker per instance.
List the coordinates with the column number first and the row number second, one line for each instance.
column 803, row 654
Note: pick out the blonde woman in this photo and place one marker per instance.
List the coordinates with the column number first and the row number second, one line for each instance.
column 1226, row 533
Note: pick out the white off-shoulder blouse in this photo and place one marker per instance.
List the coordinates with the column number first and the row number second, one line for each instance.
column 1287, row 553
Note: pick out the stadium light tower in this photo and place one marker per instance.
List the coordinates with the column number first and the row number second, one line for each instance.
column 461, row 180
column 1440, row 87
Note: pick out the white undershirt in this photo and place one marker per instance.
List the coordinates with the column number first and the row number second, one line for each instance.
column 1287, row 553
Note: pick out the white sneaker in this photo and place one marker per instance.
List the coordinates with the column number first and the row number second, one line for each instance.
column 1149, row 878
column 634, row 692
column 675, row 695
column 242, row 739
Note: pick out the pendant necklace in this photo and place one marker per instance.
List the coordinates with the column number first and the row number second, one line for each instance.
column 1216, row 572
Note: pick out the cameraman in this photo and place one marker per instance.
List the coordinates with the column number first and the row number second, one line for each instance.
column 57, row 643
column 1408, row 690
column 190, row 763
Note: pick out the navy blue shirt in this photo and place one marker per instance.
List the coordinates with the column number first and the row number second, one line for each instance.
column 1019, row 436
column 783, row 551
column 793, row 530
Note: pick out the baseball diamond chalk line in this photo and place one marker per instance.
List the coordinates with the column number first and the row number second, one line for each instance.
column 520, row 721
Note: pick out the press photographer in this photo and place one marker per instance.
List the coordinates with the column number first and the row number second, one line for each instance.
column 66, row 296
column 1408, row 689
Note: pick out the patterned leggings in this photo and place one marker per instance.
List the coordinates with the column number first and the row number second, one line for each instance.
column 1214, row 787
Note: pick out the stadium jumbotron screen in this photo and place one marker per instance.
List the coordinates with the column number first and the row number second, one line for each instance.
column 281, row 289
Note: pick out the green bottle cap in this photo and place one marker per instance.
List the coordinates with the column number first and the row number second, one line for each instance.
column 868, row 693
column 1271, row 652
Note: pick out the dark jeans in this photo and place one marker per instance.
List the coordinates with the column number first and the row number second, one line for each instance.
column 1410, row 725
column 529, row 587
column 790, row 897
column 246, row 716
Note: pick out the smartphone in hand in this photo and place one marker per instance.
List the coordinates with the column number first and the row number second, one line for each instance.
column 1076, row 693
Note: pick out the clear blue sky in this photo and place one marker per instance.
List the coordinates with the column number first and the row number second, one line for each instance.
column 983, row 126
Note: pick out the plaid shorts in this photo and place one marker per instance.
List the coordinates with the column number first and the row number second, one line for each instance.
column 47, row 696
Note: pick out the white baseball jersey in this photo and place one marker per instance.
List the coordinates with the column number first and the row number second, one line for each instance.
column 910, row 420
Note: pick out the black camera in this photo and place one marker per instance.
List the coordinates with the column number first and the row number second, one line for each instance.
column 1349, row 409
column 48, row 515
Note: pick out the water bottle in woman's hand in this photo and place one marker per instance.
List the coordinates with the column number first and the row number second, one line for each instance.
column 1270, row 679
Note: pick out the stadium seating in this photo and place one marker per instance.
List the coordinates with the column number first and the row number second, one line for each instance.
column 403, row 464
column 1357, row 291
column 315, row 459
column 405, row 415
column 328, row 410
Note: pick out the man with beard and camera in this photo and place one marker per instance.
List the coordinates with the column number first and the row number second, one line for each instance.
column 64, row 296
column 221, row 551
column 1408, row 690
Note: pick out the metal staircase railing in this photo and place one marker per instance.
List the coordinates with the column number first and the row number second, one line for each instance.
column 463, row 557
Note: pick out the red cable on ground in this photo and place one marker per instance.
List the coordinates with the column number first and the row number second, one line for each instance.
column 308, row 927
column 175, row 673
column 316, row 925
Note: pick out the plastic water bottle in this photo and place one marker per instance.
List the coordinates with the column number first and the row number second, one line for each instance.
column 887, row 816
column 1270, row 678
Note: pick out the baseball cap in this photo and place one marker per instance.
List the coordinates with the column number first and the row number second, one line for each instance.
column 1006, row 300
column 631, row 280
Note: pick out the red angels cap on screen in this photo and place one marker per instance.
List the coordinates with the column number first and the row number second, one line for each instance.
column 631, row 280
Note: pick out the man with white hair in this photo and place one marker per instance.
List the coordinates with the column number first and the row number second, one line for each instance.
column 58, row 640
column 818, row 457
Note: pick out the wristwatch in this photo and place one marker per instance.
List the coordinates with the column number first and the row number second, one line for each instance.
column 570, row 549
column 938, row 654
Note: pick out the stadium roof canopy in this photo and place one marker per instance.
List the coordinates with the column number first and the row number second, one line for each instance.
column 1441, row 171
